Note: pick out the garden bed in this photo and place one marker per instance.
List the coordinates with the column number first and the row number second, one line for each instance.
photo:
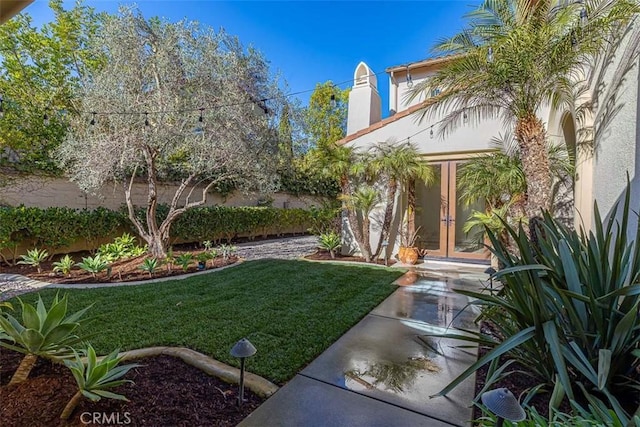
column 126, row 270
column 167, row 391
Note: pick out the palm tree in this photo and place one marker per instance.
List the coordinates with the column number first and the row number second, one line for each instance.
column 399, row 164
column 515, row 57
column 343, row 163
column 362, row 202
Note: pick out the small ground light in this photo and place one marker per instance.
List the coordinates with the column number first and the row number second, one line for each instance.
column 504, row 405
column 242, row 349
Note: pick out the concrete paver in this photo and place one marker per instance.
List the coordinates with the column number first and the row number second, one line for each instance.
column 305, row 402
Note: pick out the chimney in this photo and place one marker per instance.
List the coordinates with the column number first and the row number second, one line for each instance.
column 365, row 107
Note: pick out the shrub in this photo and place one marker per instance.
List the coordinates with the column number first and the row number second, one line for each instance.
column 150, row 265
column 568, row 309
column 330, row 242
column 226, row 251
column 122, row 247
column 95, row 377
column 63, row 266
column 47, row 333
column 94, row 265
column 184, row 260
column 34, row 257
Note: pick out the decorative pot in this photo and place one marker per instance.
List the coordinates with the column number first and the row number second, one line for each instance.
column 408, row 255
column 202, row 265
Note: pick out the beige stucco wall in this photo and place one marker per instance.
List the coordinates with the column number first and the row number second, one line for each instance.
column 59, row 192
column 616, row 150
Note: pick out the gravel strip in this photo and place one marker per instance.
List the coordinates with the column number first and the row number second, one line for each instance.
column 288, row 248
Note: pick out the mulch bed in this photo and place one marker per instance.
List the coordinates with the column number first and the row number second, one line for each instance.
column 167, row 392
column 126, row 270
column 322, row 255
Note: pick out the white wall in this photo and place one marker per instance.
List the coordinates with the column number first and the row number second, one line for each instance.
column 617, row 139
column 399, row 89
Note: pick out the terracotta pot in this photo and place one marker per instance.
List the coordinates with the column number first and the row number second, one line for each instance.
column 408, row 255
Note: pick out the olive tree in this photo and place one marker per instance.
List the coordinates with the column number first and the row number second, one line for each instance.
column 175, row 102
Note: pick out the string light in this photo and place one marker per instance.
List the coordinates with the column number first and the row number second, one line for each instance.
column 431, row 132
column 409, row 78
column 93, row 118
column 146, row 119
column 45, row 118
column 465, row 117
column 201, row 119
column 490, row 54
column 1, row 107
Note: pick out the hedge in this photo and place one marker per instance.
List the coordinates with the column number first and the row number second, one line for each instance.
column 56, row 228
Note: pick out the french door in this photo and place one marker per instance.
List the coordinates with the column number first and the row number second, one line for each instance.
column 441, row 218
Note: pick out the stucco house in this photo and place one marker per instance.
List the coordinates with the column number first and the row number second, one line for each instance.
column 604, row 138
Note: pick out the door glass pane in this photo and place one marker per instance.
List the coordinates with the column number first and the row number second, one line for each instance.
column 472, row 242
column 428, row 208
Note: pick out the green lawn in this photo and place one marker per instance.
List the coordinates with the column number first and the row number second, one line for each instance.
column 290, row 310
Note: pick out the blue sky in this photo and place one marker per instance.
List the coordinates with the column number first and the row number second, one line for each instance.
column 309, row 41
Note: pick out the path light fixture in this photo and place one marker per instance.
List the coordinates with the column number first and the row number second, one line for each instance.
column 242, row 349
column 490, row 271
column 504, row 405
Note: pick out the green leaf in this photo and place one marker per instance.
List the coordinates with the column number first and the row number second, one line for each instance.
column 32, row 340
column 551, row 335
column 604, row 367
column 110, row 395
column 30, row 317
column 507, row 345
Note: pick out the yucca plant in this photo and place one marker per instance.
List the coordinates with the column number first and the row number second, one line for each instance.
column 184, row 260
column 150, row 265
column 330, row 242
column 226, row 250
column 95, row 377
column 46, row 333
column 94, row 265
column 63, row 266
column 568, row 309
column 34, row 257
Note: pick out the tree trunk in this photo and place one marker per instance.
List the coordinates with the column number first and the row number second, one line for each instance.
column 351, row 214
column 156, row 246
column 388, row 216
column 22, row 373
column 531, row 136
column 366, row 237
column 71, row 406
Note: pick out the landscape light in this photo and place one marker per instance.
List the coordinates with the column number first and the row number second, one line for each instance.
column 242, row 349
column 504, row 405
column 490, row 271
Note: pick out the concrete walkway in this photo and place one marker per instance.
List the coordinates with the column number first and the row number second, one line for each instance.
column 383, row 371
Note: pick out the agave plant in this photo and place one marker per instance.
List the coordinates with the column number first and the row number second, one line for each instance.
column 46, row 333
column 150, row 265
column 568, row 309
column 34, row 257
column 184, row 260
column 330, row 242
column 63, row 266
column 95, row 377
column 94, row 265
